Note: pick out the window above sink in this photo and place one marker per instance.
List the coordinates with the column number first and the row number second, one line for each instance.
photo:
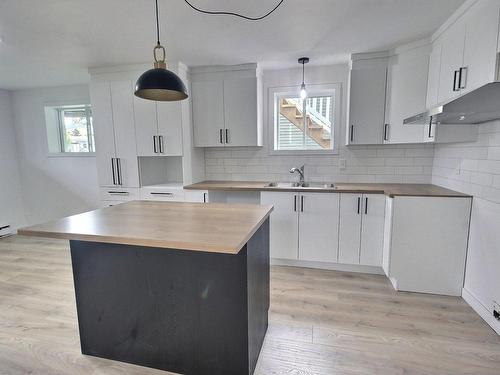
column 305, row 126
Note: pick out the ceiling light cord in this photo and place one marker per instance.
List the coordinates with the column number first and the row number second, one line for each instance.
column 157, row 25
column 234, row 14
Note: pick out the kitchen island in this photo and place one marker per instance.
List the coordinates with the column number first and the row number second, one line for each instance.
column 182, row 287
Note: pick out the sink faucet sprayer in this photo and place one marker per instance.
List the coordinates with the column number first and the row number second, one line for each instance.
column 300, row 171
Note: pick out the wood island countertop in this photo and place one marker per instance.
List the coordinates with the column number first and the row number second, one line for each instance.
column 214, row 227
column 391, row 190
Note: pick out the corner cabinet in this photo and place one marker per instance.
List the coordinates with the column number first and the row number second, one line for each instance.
column 113, row 117
column 226, row 105
column 422, row 251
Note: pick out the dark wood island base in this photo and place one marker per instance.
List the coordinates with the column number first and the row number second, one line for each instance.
column 190, row 312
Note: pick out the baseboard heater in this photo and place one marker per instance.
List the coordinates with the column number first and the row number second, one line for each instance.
column 5, row 230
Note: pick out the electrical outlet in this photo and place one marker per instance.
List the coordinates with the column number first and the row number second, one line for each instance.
column 496, row 310
column 342, row 163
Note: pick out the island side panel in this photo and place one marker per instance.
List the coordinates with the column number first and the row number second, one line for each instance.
column 258, row 271
column 180, row 311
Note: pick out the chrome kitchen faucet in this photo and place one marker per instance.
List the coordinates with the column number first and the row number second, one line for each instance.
column 300, row 171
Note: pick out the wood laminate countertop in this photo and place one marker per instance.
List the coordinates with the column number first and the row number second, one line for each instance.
column 214, row 227
column 392, row 190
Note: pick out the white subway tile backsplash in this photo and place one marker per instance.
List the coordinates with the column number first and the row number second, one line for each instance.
column 477, row 164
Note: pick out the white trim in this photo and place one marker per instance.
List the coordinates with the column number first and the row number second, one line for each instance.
column 481, row 310
column 293, row 90
column 328, row 266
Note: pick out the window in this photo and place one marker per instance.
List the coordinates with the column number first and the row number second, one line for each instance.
column 305, row 126
column 69, row 129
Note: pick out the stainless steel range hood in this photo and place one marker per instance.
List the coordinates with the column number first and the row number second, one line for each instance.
column 480, row 105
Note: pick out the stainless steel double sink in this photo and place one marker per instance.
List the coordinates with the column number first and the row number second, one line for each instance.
column 305, row 185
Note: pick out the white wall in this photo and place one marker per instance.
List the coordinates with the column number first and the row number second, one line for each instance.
column 11, row 203
column 52, row 187
column 474, row 168
column 387, row 163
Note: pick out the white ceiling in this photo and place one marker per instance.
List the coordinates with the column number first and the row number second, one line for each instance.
column 54, row 42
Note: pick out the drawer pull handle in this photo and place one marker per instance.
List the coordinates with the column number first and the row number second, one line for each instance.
column 119, row 192
column 160, row 193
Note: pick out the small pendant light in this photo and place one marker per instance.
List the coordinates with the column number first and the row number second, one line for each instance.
column 303, row 92
column 160, row 83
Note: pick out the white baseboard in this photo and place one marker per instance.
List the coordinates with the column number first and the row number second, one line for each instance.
column 328, row 266
column 481, row 310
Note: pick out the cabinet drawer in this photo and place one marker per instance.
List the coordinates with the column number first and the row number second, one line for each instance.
column 119, row 194
column 111, row 203
column 162, row 194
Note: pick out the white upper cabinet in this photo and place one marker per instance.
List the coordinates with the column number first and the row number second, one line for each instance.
column 406, row 92
column 240, row 111
column 158, row 127
column 208, row 113
column 481, row 42
column 468, row 56
column 433, row 76
column 367, row 101
column 452, row 54
column 169, row 128
column 146, row 126
column 112, row 104
column 226, row 106
column 318, row 227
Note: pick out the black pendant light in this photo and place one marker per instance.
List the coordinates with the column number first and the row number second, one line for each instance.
column 160, row 83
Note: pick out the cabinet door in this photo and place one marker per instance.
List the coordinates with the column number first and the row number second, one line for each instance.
column 123, row 124
column 407, row 88
column 349, row 228
column 372, row 229
column 240, row 112
column 100, row 97
column 433, row 77
column 481, row 40
column 284, row 223
column 367, row 105
column 318, row 227
column 208, row 113
column 145, row 126
column 170, row 128
column 452, row 55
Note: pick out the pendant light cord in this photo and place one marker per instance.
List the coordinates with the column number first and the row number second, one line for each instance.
column 232, row 13
column 303, row 72
column 157, row 25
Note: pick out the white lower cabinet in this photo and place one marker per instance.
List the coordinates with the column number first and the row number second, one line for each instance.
column 318, row 223
column 284, row 224
column 199, row 196
column 425, row 243
column 361, row 228
column 327, row 227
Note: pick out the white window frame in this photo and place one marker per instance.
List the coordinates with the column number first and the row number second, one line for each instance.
column 293, row 91
column 59, row 126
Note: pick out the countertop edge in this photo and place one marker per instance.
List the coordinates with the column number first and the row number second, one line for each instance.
column 205, row 185
column 231, row 249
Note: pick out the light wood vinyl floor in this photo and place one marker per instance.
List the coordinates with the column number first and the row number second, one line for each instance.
column 321, row 322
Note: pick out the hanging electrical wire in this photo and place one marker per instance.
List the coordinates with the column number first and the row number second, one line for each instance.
column 233, row 13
